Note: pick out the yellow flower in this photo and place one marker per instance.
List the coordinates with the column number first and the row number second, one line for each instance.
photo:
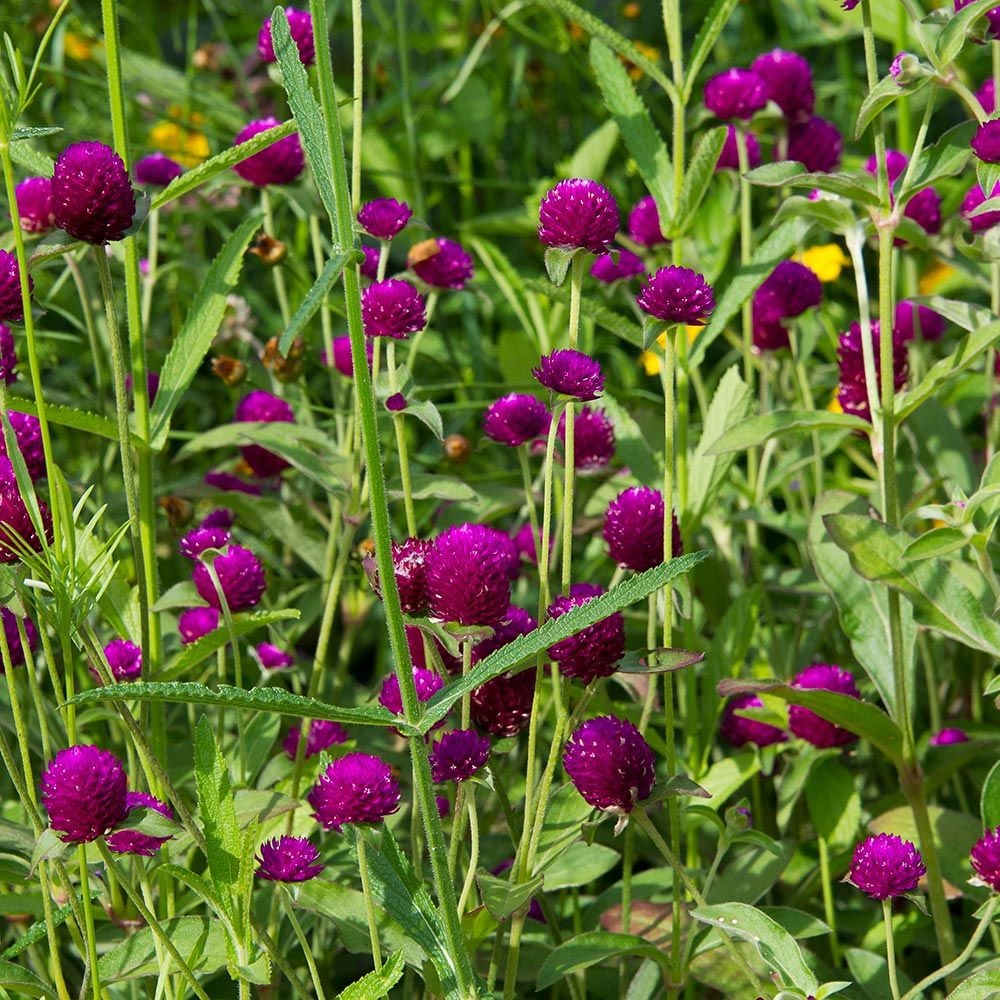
column 825, row 261
column 934, row 277
column 78, row 47
column 650, row 360
column 180, row 141
column 834, row 405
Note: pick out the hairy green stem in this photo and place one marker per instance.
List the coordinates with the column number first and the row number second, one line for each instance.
column 366, row 889
column 890, row 948
column 303, row 942
column 88, row 916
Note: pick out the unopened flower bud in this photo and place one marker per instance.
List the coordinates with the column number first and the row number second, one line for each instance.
column 178, row 510
column 232, row 371
column 457, row 448
column 268, row 250
column 286, row 367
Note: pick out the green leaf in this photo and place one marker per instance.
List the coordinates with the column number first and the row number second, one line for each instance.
column 22, row 982
column 983, row 985
column 48, row 847
column 697, row 177
column 661, row 660
column 376, row 984
column 584, row 950
column 989, row 799
column 37, row 931
column 871, row 972
column 200, row 327
column 708, row 34
column 580, row 864
column 791, row 173
column 223, row 843
column 947, row 157
column 798, row 923
column 776, row 946
column 834, row 803
column 557, row 262
column 68, row 416
column 952, row 39
column 501, row 897
column 936, row 543
column 616, row 323
column 564, row 818
column 56, row 244
column 35, row 161
column 884, row 93
column 151, row 822
column 968, row 315
column 835, row 215
column 755, row 431
column 201, row 942
column 313, row 300
column 726, row 776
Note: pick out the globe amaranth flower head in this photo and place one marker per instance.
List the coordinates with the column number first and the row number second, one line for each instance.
column 729, row 158
column 124, row 659
column 134, row 841
column 197, row 622
column 607, row 269
column 992, row 17
column 34, row 205
column 913, row 321
column 516, row 622
column 985, row 856
column 369, row 266
column 737, row 730
column 516, row 419
column 886, row 866
column 84, row 791
column 343, row 360
column 241, row 577
column 816, row 144
column 986, row 142
column 458, row 755
column 610, row 764
column 322, row 736
column 441, row 263
column 288, row 859
column 644, row 223
column 526, row 542
column 737, row 93
column 279, row 163
column 427, row 683
column 272, row 657
column 28, row 433
column 677, row 295
column 788, row 291
column 986, row 95
column 592, row 652
column 221, row 517
column 570, row 373
column 978, row 221
column 593, row 438
column 804, row 722
column 384, row 218
column 578, row 213
column 946, row 737
column 301, row 29
column 14, row 644
column 157, row 170
column 92, row 196
column 633, row 529
column 468, row 574
column 11, row 305
column 409, row 560
column 8, row 356
column 357, row 788
column 199, row 539
column 259, row 406
column 392, row 308
column 924, row 208
column 231, row 483
column 788, row 82
column 17, row 530
column 852, row 393
column 502, row 706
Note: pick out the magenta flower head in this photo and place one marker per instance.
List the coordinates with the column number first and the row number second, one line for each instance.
column 11, row 306
column 322, row 736
column 852, row 393
column 16, row 527
column 230, row 483
column 516, row 419
column 946, row 737
column 450, row 267
column 241, row 576
column 384, row 218
column 8, row 356
column 805, row 723
column 84, row 790
column 610, row 764
column 992, row 16
column 358, row 788
column 516, row 622
column 978, row 221
column 789, row 290
column 570, row 373
column 17, row 652
column 677, row 295
column 985, row 856
column 279, row 163
column 157, row 170
column 369, row 266
column 608, row 270
column 633, row 529
column 737, row 730
column 197, row 622
column 502, row 706
column 910, row 318
column 301, row 29
column 409, row 560
column 895, row 163
column 272, row 657
column 125, row 659
column 924, row 208
column 221, row 517
column 134, row 841
column 198, row 540
column 458, row 755
column 644, row 223
column 288, row 859
column 788, row 82
column 343, row 361
column 392, row 308
column 92, row 197
column 886, row 866
column 262, row 407
column 986, row 142
column 593, row 439
column 578, row 214
column 34, row 205
column 816, row 144
column 28, row 432
column 468, row 575
column 986, row 95
column 426, row 682
column 729, row 158
column 595, row 650
column 737, row 93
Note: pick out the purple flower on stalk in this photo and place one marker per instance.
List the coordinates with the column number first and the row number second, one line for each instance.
column 978, row 221
column 197, row 541
column 322, row 735
column 610, row 764
column 409, row 560
column 443, row 805
column 196, row 622
column 924, row 208
column 384, row 218
column 11, row 306
column 946, row 737
column 593, row 438
column 369, row 266
column 729, row 158
column 516, row 419
column 592, row 652
column 570, row 373
column 28, row 432
column 449, row 267
column 886, row 866
column 737, row 93
column 157, row 170
column 895, row 164
column 633, row 529
column 358, row 788
column 8, row 355
column 909, row 317
column 84, row 792
column 805, row 723
column 986, row 142
column 526, row 543
column 788, row 81
column 262, row 407
column 392, row 308
column 502, row 706
column 279, row 163
column 787, row 292
column 852, row 393
column 427, row 683
column 992, row 16
column 343, row 360
column 10, row 628
column 16, row 526
column 272, row 657
column 468, row 575
column 227, row 481
column 986, row 95
column 396, row 402
column 816, row 144
column 92, row 197
column 578, row 213
column 241, row 577
column 606, row 269
column 737, row 730
column 677, row 295
column 516, row 622
column 124, row 659
column 985, row 856
column 287, row 859
column 644, row 223
column 221, row 517
column 300, row 27
column 458, row 755
column 134, row 841
column 34, row 205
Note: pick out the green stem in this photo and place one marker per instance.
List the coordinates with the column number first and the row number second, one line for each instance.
column 829, row 910
column 409, row 123
column 280, row 288
column 577, row 272
column 890, row 948
column 303, row 942
column 473, row 849
column 88, row 916
column 357, row 101
column 369, row 904
column 402, row 451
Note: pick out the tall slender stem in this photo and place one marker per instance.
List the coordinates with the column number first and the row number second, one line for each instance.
column 890, row 948
column 366, row 889
column 402, row 450
column 577, row 272
column 88, row 916
column 303, row 943
column 357, row 100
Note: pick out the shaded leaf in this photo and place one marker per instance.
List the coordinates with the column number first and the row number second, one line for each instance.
column 588, row 949
column 755, row 431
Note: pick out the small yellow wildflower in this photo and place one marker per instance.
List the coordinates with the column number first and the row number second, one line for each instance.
column 631, row 10
column 650, row 360
column 78, row 47
column 181, row 142
column 834, row 405
column 825, row 261
column 934, row 277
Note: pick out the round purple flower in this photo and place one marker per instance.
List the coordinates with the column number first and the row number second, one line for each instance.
column 369, row 266
column 358, row 788
column 199, row 539
column 605, row 268
column 396, row 402
column 516, row 622
column 221, row 517
column 409, row 559
column 384, row 218
column 450, row 267
column 84, row 791
column 992, row 16
column 949, row 736
column 729, row 158
column 985, row 856
column 526, row 542
column 677, row 295
column 515, row 419
column 910, row 316
column 924, row 208
column 279, row 163
column 595, row 650
column 288, row 859
column 157, row 170
column 322, row 736
column 16, row 527
column 986, row 142
column 14, row 637
column 737, row 93
column 34, row 205
column 737, row 730
column 895, row 163
column 788, row 291
column 262, row 407
column 788, row 81
column 633, row 529
column 852, row 393
column 578, row 214
column 443, row 805
column 816, row 144
column 458, row 755
column 241, row 576
column 610, row 764
column 502, row 706
column 342, row 358
column 301, row 29
column 28, row 432
column 593, row 438
column 92, row 197
column 644, row 223
column 805, row 723
column 272, row 657
column 8, row 355
column 227, row 481
column 468, row 578
column 886, row 866
column 133, row 841
column 392, row 308
column 426, row 682
column 124, row 659
column 197, row 622
column 987, row 97
column 570, row 373
column 976, row 197
column 11, row 306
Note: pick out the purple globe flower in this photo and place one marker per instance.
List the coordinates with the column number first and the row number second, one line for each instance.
column 426, row 682
column 322, row 736
column 816, row 144
column 262, row 407
column 610, row 764
column 84, row 791
column 985, row 856
column 230, row 483
column 28, row 432
column 850, row 4
column 11, row 306
column 677, row 295
column 450, row 267
column 199, row 539
column 409, row 560
column 358, row 788
column 221, row 517
column 133, row 841
column 502, row 706
column 729, row 158
column 992, row 16
column 124, row 659
column 396, row 402
column 946, row 737
column 8, row 355
column 288, row 859
column 895, row 164
column 392, row 308
column 886, row 866
column 644, row 223
column 301, row 29
column 515, row 419
column 443, row 805
column 852, row 393
column 909, row 317
column 272, row 657
column 384, row 218
column 737, row 730
column 17, row 530
column 369, row 266
column 343, row 361
column 92, row 197
column 578, row 214
column 987, row 97
column 805, row 723
column 458, row 755
column 976, row 197
column 737, row 93
column 34, row 205
column 570, row 373
column 17, row 654
column 516, row 622
column 241, row 576
column 788, row 82
column 197, row 622
column 468, row 578
column 924, row 208
column 608, row 270
column 787, row 292
column 593, row 439
column 633, row 529
column 986, row 142
column 526, row 542
column 157, row 170
column 279, row 163
column 595, row 650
